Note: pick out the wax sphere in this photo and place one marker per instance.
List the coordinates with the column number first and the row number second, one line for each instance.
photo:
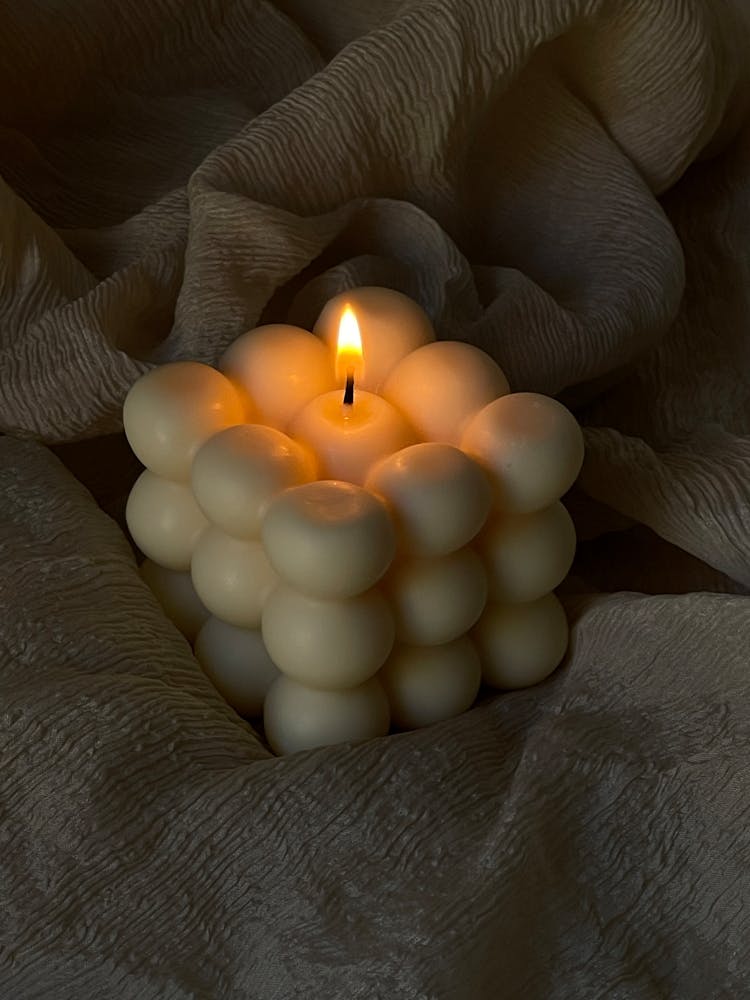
column 176, row 594
column 426, row 684
column 329, row 538
column 282, row 368
column 532, row 447
column 439, row 388
column 391, row 326
column 238, row 472
column 237, row 664
column 327, row 643
column 436, row 599
column 164, row 520
column 438, row 497
column 348, row 440
column 527, row 555
column 232, row 577
column 297, row 717
column 521, row 644
column 172, row 410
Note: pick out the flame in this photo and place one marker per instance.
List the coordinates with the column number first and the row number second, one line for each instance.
column 349, row 359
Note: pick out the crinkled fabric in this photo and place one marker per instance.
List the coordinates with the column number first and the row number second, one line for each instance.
column 565, row 184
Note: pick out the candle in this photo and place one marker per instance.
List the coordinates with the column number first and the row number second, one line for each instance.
column 327, row 643
column 296, row 717
column 176, row 594
column 239, row 471
column 531, row 446
column 237, row 663
column 329, row 504
column 521, row 644
column 232, row 577
column 427, row 684
column 391, row 326
column 329, row 539
column 170, row 411
column 438, row 497
column 350, row 431
column 436, row 599
column 528, row 555
column 440, row 386
column 164, row 520
column 281, row 368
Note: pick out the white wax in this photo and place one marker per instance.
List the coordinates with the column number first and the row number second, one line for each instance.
column 391, row 326
column 438, row 497
column 164, row 520
column 176, row 594
column 327, row 643
column 232, row 577
column 531, row 446
column 348, row 440
column 239, row 471
column 426, row 684
column 172, row 410
column 297, row 717
column 436, row 599
column 329, row 538
column 237, row 664
column 282, row 368
column 439, row 388
column 527, row 555
column 521, row 644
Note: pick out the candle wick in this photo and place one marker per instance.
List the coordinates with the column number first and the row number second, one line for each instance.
column 349, row 390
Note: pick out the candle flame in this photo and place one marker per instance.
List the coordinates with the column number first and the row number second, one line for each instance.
column 349, row 361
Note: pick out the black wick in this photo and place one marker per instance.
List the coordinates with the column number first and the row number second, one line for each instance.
column 349, row 390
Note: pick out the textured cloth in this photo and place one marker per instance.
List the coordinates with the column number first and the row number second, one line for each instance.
column 564, row 183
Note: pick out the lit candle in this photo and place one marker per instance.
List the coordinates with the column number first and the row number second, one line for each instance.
column 351, row 430
column 328, row 593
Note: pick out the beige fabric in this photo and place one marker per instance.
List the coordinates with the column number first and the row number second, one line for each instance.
column 564, row 183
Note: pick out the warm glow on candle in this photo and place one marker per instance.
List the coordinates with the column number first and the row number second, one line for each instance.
column 349, row 361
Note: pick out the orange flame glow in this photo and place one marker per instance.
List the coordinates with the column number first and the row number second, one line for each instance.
column 349, row 360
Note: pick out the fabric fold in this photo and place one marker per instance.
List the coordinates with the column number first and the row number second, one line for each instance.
column 564, row 185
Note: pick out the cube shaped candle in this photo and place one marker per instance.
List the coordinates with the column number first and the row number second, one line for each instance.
column 354, row 543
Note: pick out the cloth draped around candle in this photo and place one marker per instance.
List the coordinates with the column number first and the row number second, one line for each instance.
column 564, row 185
